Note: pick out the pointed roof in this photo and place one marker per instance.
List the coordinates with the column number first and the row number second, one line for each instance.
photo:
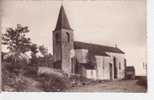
column 62, row 22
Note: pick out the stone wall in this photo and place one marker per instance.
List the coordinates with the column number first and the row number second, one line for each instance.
column 62, row 47
column 104, row 64
column 120, row 64
column 81, row 55
column 102, row 67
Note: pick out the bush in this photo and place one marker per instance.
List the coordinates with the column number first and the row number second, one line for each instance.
column 52, row 83
column 12, row 82
column 12, row 77
column 31, row 71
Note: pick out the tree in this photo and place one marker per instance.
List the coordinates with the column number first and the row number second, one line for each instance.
column 34, row 51
column 43, row 50
column 16, row 39
column 46, row 55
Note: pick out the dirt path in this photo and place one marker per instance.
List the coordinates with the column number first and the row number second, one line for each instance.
column 115, row 86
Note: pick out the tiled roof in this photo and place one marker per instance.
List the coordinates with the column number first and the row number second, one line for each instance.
column 62, row 22
column 97, row 49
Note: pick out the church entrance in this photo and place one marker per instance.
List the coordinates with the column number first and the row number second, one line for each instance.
column 73, row 65
column 115, row 68
column 110, row 71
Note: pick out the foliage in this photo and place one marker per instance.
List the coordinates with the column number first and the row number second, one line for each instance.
column 34, row 51
column 16, row 71
column 34, row 48
column 16, row 39
column 16, row 62
column 11, row 80
column 47, row 58
column 18, row 44
column 43, row 50
column 53, row 83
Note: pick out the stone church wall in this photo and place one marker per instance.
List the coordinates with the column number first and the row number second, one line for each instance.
column 119, row 64
column 102, row 67
column 56, row 47
column 62, row 47
column 81, row 55
column 67, row 46
column 89, row 73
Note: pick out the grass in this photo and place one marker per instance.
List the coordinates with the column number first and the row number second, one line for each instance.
column 18, row 80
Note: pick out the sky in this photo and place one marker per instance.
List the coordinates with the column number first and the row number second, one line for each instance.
column 106, row 22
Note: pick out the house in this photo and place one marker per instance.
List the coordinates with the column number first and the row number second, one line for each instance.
column 130, row 72
column 93, row 61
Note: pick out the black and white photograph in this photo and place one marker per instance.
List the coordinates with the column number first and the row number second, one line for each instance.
column 74, row 46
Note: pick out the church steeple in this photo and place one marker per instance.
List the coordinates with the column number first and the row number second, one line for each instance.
column 62, row 22
column 63, row 43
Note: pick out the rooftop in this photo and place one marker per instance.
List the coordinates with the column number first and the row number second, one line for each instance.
column 97, row 49
column 62, row 22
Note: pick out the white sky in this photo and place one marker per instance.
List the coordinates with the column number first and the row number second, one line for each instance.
column 107, row 22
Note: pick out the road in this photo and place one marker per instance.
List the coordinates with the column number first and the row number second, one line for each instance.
column 114, row 86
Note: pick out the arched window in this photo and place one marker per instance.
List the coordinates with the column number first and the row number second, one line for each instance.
column 125, row 63
column 115, row 67
column 119, row 66
column 68, row 37
column 57, row 38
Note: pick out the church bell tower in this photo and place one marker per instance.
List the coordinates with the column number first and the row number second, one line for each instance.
column 63, row 43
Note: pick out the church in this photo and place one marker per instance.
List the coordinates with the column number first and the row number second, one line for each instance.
column 93, row 61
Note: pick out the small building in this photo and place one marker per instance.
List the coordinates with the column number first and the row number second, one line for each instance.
column 130, row 72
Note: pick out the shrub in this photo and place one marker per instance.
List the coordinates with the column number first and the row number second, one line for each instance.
column 12, row 77
column 11, row 81
column 53, row 83
column 31, row 71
